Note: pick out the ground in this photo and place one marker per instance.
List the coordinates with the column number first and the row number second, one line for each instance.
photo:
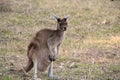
column 90, row 51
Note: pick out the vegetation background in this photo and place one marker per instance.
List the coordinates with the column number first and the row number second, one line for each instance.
column 90, row 51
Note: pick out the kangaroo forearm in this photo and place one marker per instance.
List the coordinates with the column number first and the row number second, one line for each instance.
column 51, row 52
column 57, row 54
column 50, row 48
column 58, row 47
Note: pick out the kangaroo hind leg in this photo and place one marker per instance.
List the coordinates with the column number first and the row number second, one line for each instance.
column 50, row 72
column 36, row 70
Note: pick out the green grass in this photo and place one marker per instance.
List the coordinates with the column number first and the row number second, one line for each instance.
column 92, row 39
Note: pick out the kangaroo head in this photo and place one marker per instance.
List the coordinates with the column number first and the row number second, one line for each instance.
column 61, row 23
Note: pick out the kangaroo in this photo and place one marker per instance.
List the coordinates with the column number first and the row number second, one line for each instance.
column 44, row 48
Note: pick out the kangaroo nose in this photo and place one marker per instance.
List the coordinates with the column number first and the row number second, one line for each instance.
column 65, row 28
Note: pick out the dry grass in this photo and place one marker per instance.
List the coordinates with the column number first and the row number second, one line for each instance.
column 90, row 50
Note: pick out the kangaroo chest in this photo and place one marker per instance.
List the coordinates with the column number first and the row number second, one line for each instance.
column 56, row 40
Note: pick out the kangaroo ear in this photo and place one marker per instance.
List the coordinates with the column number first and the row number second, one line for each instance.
column 65, row 18
column 57, row 18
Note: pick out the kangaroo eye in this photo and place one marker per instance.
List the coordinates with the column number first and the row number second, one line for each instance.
column 60, row 24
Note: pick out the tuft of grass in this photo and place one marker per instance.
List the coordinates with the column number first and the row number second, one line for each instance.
column 115, row 29
column 7, row 78
column 115, row 68
column 5, row 6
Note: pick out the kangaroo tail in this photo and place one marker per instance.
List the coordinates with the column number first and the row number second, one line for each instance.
column 29, row 66
column 25, row 69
